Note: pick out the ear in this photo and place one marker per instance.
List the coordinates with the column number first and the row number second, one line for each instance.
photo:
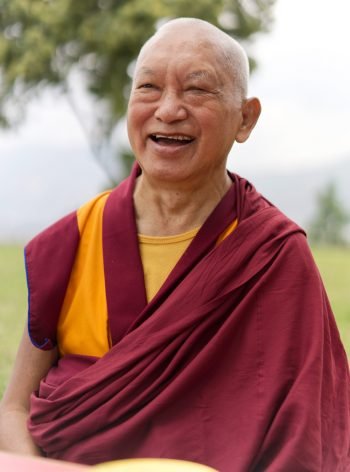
column 251, row 110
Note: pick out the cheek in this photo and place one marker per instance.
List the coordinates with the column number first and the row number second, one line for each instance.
column 207, row 119
column 218, row 131
column 134, row 115
column 213, row 126
column 136, row 118
column 139, row 108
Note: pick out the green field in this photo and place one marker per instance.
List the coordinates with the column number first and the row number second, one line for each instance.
column 13, row 306
column 334, row 265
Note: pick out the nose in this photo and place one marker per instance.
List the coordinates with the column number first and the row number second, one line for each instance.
column 170, row 108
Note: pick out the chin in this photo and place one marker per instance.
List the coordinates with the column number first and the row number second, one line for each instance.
column 166, row 172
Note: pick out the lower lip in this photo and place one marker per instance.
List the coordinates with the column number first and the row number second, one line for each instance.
column 169, row 148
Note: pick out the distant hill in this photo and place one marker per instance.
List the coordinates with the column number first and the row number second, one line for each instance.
column 34, row 195
column 37, row 190
column 295, row 193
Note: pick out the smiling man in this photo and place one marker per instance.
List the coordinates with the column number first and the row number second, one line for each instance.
column 181, row 315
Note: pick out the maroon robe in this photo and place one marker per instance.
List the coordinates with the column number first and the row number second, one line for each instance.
column 236, row 363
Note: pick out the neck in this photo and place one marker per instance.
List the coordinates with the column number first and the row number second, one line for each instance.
column 165, row 211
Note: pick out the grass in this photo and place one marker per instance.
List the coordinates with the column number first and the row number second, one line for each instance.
column 12, row 307
column 334, row 265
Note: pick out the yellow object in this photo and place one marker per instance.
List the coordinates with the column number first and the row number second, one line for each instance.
column 152, row 465
column 159, row 256
column 83, row 323
column 227, row 231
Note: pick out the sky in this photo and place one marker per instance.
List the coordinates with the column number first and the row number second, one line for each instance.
column 302, row 81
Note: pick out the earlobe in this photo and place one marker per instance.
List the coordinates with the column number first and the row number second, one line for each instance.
column 251, row 110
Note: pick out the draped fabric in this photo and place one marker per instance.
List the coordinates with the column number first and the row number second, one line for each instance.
column 236, row 363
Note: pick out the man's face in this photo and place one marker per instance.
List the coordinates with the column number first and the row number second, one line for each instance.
column 184, row 111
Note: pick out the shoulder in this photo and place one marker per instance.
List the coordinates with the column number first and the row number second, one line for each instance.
column 49, row 259
column 296, row 251
column 69, row 226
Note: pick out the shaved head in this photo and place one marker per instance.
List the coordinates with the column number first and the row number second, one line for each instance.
column 232, row 56
column 188, row 102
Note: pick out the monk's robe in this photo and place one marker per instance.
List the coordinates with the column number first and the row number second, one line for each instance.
column 236, row 363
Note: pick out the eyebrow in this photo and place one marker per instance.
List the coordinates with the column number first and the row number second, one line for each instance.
column 146, row 71
column 194, row 75
column 199, row 74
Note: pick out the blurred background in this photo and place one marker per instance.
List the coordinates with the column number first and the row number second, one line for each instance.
column 65, row 70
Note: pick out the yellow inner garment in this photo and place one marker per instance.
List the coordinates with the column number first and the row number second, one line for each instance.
column 159, row 256
column 83, row 323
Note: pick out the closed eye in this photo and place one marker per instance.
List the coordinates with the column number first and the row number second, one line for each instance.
column 196, row 89
column 146, row 86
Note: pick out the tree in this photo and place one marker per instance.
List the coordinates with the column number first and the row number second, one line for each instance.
column 45, row 42
column 328, row 225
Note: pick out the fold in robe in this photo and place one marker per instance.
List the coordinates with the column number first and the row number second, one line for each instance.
column 238, row 365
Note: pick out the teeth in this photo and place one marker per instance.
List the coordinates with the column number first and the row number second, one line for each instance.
column 178, row 137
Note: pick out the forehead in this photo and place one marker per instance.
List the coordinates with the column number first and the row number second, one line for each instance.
column 196, row 59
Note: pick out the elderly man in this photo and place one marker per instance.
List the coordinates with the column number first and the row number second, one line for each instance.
column 181, row 315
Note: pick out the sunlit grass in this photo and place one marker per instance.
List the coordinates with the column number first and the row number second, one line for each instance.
column 334, row 265
column 12, row 306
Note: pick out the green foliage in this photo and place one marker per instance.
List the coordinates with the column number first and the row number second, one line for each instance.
column 329, row 223
column 43, row 41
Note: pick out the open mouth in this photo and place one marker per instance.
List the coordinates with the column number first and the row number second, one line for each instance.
column 173, row 140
